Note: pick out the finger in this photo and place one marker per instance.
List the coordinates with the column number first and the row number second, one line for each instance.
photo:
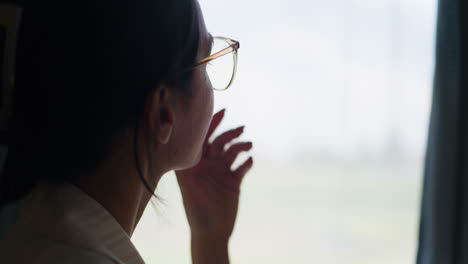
column 233, row 151
column 215, row 121
column 240, row 172
column 218, row 144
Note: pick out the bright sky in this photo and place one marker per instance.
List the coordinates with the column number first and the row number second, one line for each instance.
column 343, row 77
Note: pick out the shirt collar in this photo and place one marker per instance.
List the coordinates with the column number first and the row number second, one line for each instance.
column 86, row 221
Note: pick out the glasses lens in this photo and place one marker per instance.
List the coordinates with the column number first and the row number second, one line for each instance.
column 220, row 70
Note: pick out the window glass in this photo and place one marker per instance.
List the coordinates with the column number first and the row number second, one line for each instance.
column 336, row 97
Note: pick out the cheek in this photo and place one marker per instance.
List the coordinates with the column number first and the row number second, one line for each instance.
column 210, row 106
column 204, row 123
column 202, row 113
column 206, row 101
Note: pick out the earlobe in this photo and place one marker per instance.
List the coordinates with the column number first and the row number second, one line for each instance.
column 162, row 116
column 165, row 133
column 166, row 117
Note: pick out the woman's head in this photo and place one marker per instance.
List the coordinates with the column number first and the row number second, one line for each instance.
column 88, row 72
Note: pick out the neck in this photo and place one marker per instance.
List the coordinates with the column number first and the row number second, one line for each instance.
column 125, row 203
column 118, row 188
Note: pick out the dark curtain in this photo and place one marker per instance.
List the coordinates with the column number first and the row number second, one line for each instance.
column 444, row 219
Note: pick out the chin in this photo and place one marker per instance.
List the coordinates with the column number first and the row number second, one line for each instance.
column 191, row 161
column 196, row 159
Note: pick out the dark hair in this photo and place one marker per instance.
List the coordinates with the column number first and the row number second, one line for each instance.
column 83, row 72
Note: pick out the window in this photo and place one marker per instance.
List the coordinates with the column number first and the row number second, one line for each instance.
column 336, row 98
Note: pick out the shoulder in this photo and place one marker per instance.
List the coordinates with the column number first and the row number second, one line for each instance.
column 57, row 253
column 64, row 225
column 51, row 252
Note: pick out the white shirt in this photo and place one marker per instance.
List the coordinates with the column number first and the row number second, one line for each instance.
column 62, row 224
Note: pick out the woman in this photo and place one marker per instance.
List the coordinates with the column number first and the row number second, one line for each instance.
column 111, row 95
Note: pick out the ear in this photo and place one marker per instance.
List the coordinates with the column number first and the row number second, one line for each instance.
column 161, row 114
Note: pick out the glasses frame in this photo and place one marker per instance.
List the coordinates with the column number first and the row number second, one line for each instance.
column 232, row 48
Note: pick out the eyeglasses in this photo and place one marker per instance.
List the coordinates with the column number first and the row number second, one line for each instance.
column 222, row 65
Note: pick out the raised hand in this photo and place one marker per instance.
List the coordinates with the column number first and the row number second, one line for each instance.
column 210, row 190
